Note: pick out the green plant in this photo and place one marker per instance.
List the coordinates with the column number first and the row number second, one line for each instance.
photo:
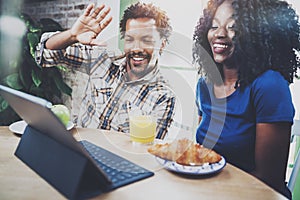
column 26, row 75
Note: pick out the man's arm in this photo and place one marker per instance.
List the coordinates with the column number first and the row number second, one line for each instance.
column 85, row 30
column 60, row 40
column 165, row 112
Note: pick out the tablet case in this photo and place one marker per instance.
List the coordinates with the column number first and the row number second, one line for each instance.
column 68, row 171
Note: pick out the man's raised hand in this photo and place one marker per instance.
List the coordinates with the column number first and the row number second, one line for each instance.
column 90, row 24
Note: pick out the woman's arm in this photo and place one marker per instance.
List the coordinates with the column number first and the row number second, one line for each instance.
column 199, row 119
column 271, row 153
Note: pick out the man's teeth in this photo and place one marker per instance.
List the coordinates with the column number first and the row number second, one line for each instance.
column 138, row 59
column 224, row 46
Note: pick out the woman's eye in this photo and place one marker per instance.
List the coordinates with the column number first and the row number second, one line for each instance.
column 214, row 27
column 231, row 26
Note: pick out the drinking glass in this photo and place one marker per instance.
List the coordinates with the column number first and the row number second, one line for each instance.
column 142, row 127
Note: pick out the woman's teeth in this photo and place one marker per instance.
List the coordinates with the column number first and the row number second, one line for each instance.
column 224, row 46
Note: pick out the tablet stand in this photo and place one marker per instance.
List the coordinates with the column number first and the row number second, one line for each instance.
column 70, row 172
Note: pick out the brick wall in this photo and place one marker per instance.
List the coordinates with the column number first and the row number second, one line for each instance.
column 65, row 12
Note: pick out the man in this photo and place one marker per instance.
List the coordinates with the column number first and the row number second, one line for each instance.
column 116, row 86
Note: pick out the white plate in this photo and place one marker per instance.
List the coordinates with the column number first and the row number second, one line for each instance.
column 193, row 170
column 70, row 125
column 19, row 126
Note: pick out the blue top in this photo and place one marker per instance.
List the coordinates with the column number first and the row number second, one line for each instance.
column 228, row 124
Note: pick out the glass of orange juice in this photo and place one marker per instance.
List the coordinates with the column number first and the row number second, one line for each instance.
column 142, row 127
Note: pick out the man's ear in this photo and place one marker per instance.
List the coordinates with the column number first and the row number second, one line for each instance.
column 163, row 45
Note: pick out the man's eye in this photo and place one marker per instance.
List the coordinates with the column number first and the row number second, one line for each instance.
column 128, row 39
column 148, row 41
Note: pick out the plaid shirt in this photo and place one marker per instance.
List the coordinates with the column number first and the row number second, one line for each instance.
column 108, row 95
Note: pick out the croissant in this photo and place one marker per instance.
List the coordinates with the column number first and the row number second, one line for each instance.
column 185, row 152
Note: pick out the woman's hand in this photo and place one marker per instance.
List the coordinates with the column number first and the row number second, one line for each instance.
column 90, row 24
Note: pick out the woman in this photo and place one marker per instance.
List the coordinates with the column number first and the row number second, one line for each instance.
column 243, row 96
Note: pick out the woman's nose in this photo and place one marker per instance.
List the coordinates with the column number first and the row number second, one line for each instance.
column 221, row 32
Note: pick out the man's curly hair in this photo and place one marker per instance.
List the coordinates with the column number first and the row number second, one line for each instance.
column 143, row 10
column 266, row 37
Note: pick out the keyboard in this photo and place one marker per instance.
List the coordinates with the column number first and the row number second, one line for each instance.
column 119, row 170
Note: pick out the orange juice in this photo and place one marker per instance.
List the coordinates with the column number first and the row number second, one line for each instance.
column 142, row 129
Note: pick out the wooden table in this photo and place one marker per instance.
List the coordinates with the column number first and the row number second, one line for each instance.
column 17, row 181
